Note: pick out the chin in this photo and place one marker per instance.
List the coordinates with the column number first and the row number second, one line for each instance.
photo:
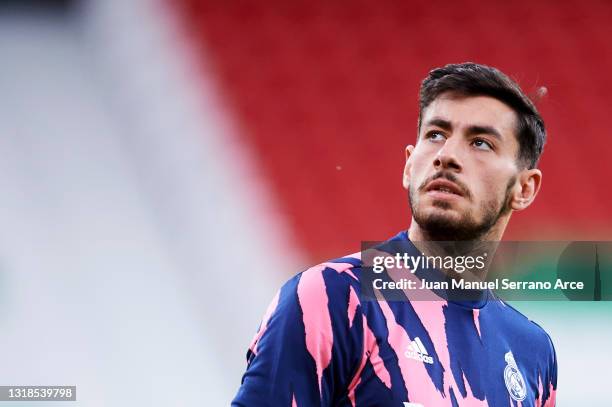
column 440, row 217
column 442, row 224
column 438, row 213
column 436, row 204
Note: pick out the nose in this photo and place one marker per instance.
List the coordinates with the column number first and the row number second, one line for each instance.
column 447, row 157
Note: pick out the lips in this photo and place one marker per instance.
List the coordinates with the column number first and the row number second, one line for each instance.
column 444, row 186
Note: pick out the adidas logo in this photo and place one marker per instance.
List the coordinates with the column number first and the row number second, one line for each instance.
column 416, row 350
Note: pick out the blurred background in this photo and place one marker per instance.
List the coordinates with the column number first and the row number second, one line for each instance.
column 165, row 166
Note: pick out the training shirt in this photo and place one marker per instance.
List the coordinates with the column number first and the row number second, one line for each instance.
column 321, row 344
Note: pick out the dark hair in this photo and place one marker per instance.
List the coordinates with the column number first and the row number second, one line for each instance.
column 471, row 79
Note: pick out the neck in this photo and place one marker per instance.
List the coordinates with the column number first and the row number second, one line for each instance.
column 430, row 246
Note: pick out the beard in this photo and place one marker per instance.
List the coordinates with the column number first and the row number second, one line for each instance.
column 442, row 227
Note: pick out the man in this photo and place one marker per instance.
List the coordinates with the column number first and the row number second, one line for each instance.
column 322, row 344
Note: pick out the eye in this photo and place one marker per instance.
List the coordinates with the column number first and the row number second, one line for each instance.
column 435, row 136
column 482, row 144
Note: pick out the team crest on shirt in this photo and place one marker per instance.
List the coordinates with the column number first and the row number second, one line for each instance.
column 514, row 379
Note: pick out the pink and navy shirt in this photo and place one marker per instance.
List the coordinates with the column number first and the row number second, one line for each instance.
column 322, row 344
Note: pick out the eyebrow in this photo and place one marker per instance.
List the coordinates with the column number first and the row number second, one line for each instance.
column 471, row 131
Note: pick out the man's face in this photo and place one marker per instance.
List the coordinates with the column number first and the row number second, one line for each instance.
column 460, row 173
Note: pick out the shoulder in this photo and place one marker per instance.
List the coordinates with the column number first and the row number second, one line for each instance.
column 316, row 293
column 336, row 272
column 331, row 283
column 313, row 299
column 530, row 332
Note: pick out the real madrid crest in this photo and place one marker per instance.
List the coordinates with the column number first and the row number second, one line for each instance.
column 514, row 380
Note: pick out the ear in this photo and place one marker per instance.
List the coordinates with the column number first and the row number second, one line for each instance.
column 527, row 187
column 407, row 167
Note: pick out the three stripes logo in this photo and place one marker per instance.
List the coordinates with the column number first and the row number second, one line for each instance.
column 416, row 350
